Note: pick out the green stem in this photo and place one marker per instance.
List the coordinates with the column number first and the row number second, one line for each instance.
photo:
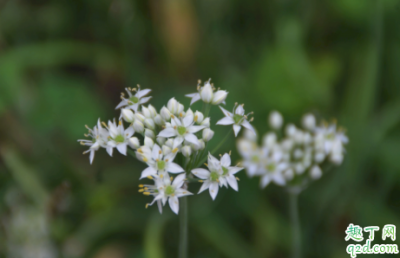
column 216, row 147
column 295, row 223
column 183, row 228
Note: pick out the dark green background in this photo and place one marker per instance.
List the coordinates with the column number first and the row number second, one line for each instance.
column 63, row 64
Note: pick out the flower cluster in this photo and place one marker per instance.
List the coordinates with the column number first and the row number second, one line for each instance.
column 296, row 157
column 175, row 133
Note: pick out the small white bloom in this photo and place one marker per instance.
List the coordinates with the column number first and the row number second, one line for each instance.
column 291, row 130
column 159, row 164
column 163, row 190
column 207, row 95
column 149, row 123
column 309, row 121
column 172, row 106
column 182, row 129
column 219, row 173
column 328, row 135
column 237, row 119
column 146, row 112
column 165, row 114
column 273, row 170
column 189, row 112
column 149, row 133
column 119, row 137
column 269, row 140
column 186, row 151
column 134, row 101
column 252, row 156
column 206, row 122
column 219, row 97
column 158, row 120
column 99, row 139
column 138, row 126
column 198, row 117
column 148, row 142
column 152, row 110
column 275, row 120
column 207, row 134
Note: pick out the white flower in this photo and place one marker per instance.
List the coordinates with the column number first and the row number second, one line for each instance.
column 206, row 94
column 138, row 126
column 134, row 143
column 128, row 115
column 159, row 164
column 186, row 151
column 198, row 117
column 207, row 134
column 252, row 156
column 163, row 190
column 309, row 121
column 275, row 120
column 273, row 170
column 99, row 139
column 134, row 101
column 182, row 129
column 219, row 173
column 119, row 137
column 149, row 133
column 328, row 137
column 237, row 118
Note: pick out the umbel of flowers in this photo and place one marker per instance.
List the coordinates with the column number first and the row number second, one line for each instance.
column 297, row 156
column 171, row 141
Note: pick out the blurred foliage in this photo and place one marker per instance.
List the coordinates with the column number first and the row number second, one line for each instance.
column 64, row 63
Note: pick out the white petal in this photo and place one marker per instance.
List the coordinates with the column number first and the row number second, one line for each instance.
column 232, row 182
column 226, row 112
column 174, row 168
column 159, row 204
column 124, row 102
column 142, row 93
column 150, row 171
column 226, row 160
column 177, row 142
column 234, row 170
column 248, row 126
column 214, row 190
column 187, row 120
column 236, row 129
column 278, row 179
column 179, row 180
column 155, row 153
column 129, row 132
column 144, row 100
column 167, row 132
column 110, row 150
column 174, row 204
column 205, row 186
column 192, row 138
column 91, row 157
column 265, row 180
column 195, row 128
column 226, row 121
column 122, row 148
column 195, row 97
column 201, row 173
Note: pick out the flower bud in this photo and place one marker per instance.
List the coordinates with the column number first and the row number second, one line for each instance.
column 161, row 140
column 207, row 134
column 206, row 122
column 250, row 135
column 149, row 123
column 138, row 126
column 275, row 120
column 149, row 133
column 309, row 121
column 134, row 143
column 319, row 156
column 165, row 114
column 219, row 97
column 180, row 109
column 291, row 130
column 152, row 110
column 189, row 112
column 140, row 116
column 299, row 168
column 198, row 117
column 186, row 151
column 336, row 158
column 158, row 120
column 206, row 93
column 172, row 105
column 315, row 172
column 146, row 112
column 128, row 115
column 148, row 142
column 269, row 140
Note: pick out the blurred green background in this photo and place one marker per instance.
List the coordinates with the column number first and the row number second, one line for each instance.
column 64, row 63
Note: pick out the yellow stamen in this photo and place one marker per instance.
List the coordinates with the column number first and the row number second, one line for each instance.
column 120, row 122
column 174, row 150
column 206, row 164
column 146, row 193
column 141, row 185
column 145, row 159
column 238, row 179
column 147, row 205
column 159, row 152
column 141, row 190
column 149, row 177
column 195, row 118
column 161, row 176
column 201, row 181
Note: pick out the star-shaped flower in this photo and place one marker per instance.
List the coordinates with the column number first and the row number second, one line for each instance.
column 207, row 94
column 273, row 167
column 134, row 101
column 237, row 118
column 99, row 139
column 163, row 190
column 119, row 137
column 181, row 128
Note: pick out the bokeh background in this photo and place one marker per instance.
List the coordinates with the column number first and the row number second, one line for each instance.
column 64, row 63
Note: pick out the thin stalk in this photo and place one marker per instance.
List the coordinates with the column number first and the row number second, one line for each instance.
column 183, row 228
column 295, row 223
column 216, row 147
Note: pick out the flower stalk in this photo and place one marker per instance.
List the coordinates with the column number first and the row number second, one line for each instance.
column 183, row 228
column 295, row 223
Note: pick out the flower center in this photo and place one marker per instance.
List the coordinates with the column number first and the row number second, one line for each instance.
column 161, row 164
column 214, row 176
column 271, row 167
column 255, row 159
column 119, row 138
column 237, row 118
column 330, row 136
column 225, row 170
column 134, row 99
column 181, row 130
column 169, row 190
